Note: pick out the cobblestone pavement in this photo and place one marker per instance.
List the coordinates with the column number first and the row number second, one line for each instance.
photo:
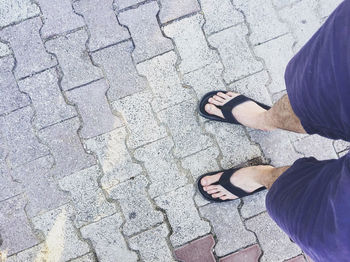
column 100, row 140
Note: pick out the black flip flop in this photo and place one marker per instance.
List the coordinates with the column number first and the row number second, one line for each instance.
column 224, row 181
column 226, row 109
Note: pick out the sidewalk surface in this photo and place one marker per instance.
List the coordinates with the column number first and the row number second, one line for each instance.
column 100, row 138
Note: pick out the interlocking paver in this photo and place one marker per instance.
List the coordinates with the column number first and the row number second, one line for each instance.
column 152, row 245
column 341, row 145
column 8, row 186
column 108, row 241
column 250, row 254
column 86, row 258
column 11, row 97
column 47, row 99
column 283, row 3
column 219, row 14
column 19, row 140
column 275, row 244
column 171, row 10
column 121, row 4
column 122, row 77
column 164, row 81
column 254, row 204
column 74, row 59
column 94, row 109
column 102, row 23
column 228, row 227
column 137, row 112
column 65, row 146
column 12, row 11
column 36, row 253
column 16, row 233
column 142, row 23
column 58, row 17
column 200, row 250
column 88, row 199
column 185, row 222
column 235, row 53
column 136, row 206
column 61, row 238
column 327, row 7
column 322, row 148
column 161, row 166
column 191, row 43
column 27, row 47
column 296, row 259
column 113, row 157
column 4, row 50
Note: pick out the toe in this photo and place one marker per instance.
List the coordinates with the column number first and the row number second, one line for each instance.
column 223, row 95
column 208, row 180
column 215, row 101
column 213, row 110
column 207, row 188
column 219, row 99
column 217, row 195
column 232, row 94
column 227, row 197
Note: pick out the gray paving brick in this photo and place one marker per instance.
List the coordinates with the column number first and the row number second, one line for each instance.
column 142, row 23
column 161, row 166
column 61, row 238
column 138, row 107
column 341, row 145
column 235, row 53
column 19, row 140
column 283, row 3
column 86, row 258
column 88, row 199
column 47, row 99
column 58, row 17
column 122, row 77
column 8, row 186
column 228, row 227
column 74, row 59
column 113, row 157
column 341, row 154
column 185, row 222
column 164, row 81
column 316, row 146
column 102, row 23
column 36, row 253
column 107, row 241
column 273, row 240
column 191, row 43
column 65, row 146
column 94, row 109
column 11, row 97
column 136, row 207
column 4, row 50
column 171, row 10
column 152, row 245
column 27, row 47
column 121, row 4
column 12, row 11
column 327, row 7
column 219, row 14
column 16, row 233
column 254, row 204
column 186, row 132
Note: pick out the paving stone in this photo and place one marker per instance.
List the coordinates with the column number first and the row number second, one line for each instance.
column 141, row 122
column 281, row 48
column 8, row 186
column 113, row 157
column 205, row 79
column 22, row 38
column 250, row 254
column 185, row 222
column 187, row 134
column 161, row 166
column 341, row 145
column 235, row 53
column 297, row 259
column 122, row 77
column 142, row 22
column 262, row 19
column 47, row 99
column 16, row 233
column 94, row 109
column 11, row 97
column 219, row 14
column 164, row 81
column 254, row 204
column 58, row 17
column 36, row 253
column 191, row 43
column 316, row 146
column 137, row 208
column 65, row 146
column 19, row 139
column 102, row 23
column 121, row 4
column 4, row 50
column 61, row 238
column 200, row 250
column 86, row 258
column 107, row 241
column 152, row 245
column 283, row 3
column 88, row 199
column 74, row 59
column 228, row 227
column 171, row 10
column 273, row 241
column 327, row 7
column 12, row 11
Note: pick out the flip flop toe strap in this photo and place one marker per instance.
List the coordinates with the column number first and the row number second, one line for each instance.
column 226, row 109
column 224, row 181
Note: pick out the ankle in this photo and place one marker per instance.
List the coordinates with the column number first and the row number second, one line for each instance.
column 264, row 122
